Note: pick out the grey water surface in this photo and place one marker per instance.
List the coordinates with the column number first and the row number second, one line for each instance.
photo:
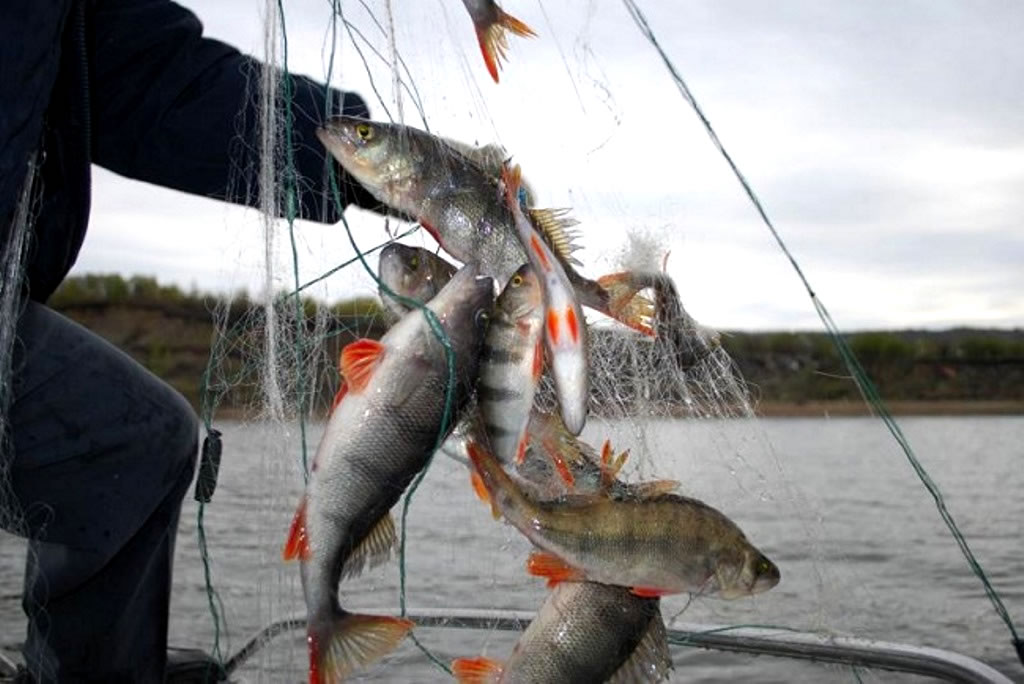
column 833, row 502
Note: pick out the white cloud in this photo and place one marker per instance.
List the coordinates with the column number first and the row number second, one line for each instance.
column 885, row 140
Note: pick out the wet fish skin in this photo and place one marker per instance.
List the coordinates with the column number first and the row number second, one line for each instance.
column 565, row 330
column 377, row 439
column 452, row 190
column 490, row 23
column 511, row 365
column 411, row 272
column 423, row 176
column 585, row 632
column 662, row 544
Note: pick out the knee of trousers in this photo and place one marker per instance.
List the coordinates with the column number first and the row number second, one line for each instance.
column 184, row 431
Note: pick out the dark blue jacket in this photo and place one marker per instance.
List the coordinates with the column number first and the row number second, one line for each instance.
column 132, row 85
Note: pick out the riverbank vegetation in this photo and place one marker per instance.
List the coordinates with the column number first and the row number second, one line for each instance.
column 177, row 335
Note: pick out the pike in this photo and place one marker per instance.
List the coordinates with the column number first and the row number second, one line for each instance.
column 658, row 545
column 452, row 192
column 584, row 632
column 381, row 433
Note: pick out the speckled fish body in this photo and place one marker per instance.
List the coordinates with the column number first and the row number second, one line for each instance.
column 659, row 545
column 583, row 632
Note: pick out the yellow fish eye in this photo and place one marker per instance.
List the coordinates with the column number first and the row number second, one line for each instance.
column 364, row 132
column 517, row 280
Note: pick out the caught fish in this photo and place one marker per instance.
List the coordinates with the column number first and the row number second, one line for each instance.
column 491, row 22
column 491, row 158
column 559, row 464
column 379, row 436
column 584, row 632
column 511, row 364
column 411, row 272
column 663, row 544
column 673, row 326
column 456, row 200
column 565, row 329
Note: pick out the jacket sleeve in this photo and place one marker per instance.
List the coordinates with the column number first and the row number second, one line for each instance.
column 174, row 108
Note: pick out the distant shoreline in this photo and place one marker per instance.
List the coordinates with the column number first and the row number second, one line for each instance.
column 953, row 407
column 809, row 409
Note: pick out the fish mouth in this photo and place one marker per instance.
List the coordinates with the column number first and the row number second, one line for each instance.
column 338, row 136
column 394, row 265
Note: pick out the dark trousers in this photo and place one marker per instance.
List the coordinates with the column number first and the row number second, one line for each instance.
column 103, row 452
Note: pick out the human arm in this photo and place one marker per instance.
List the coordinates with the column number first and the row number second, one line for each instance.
column 174, row 108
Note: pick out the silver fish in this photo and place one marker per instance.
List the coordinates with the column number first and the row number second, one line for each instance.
column 511, row 365
column 584, row 632
column 411, row 272
column 380, row 435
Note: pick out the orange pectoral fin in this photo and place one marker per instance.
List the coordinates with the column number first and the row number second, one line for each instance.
column 648, row 592
column 342, row 391
column 297, row 545
column 476, row 670
column 358, row 361
column 563, row 470
column 481, row 492
column 550, row 566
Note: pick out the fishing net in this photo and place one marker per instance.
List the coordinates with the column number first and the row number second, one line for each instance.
column 651, row 195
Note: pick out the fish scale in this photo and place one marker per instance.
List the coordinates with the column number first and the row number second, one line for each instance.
column 380, row 434
column 510, row 366
column 583, row 632
column 660, row 544
column 452, row 189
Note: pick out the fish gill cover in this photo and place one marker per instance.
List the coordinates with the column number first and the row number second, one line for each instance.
column 668, row 417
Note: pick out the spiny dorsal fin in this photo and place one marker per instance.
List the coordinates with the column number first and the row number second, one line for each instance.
column 652, row 489
column 555, row 225
column 375, row 548
column 650, row 661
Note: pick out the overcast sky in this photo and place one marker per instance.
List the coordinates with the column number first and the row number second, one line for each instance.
column 886, row 140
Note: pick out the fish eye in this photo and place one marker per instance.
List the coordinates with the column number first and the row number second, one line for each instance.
column 482, row 317
column 517, row 280
column 414, row 262
column 364, row 131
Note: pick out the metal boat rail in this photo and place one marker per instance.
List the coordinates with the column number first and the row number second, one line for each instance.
column 819, row 648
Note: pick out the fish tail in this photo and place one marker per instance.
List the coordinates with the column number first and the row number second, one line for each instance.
column 624, row 302
column 476, row 670
column 349, row 642
column 493, row 42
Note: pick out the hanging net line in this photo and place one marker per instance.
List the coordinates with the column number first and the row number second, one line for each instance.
column 283, row 355
column 671, row 407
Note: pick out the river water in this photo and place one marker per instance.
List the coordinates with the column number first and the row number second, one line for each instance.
column 833, row 502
